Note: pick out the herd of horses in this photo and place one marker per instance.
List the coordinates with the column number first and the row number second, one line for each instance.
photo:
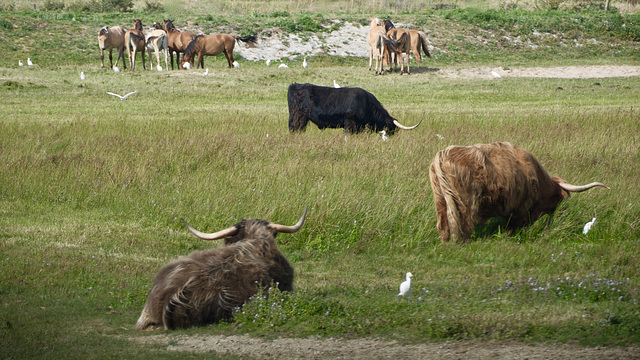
column 165, row 38
column 386, row 42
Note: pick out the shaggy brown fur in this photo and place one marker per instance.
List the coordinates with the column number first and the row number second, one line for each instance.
column 472, row 184
column 206, row 286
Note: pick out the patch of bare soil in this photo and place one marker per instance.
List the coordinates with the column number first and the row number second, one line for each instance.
column 351, row 40
column 315, row 348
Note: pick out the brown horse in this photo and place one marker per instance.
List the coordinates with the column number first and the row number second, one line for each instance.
column 402, row 37
column 111, row 38
column 177, row 40
column 212, row 45
column 379, row 44
column 134, row 42
column 419, row 42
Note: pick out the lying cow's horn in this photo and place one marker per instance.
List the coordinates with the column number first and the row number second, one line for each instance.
column 213, row 236
column 576, row 188
column 406, row 127
column 289, row 229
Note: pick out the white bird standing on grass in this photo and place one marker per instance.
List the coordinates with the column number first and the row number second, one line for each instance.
column 335, row 85
column 283, row 66
column 405, row 287
column 268, row 62
column 304, row 63
column 82, row 76
column 29, row 62
column 115, row 69
column 588, row 226
column 236, row 65
column 495, row 74
column 122, row 98
column 20, row 63
column 159, row 67
column 384, row 135
column 206, row 72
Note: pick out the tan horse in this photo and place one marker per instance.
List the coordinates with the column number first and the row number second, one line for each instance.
column 401, row 36
column 378, row 44
column 157, row 41
column 178, row 40
column 111, row 38
column 134, row 41
column 212, row 45
column 419, row 42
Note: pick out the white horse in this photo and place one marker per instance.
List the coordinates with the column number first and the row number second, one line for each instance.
column 157, row 40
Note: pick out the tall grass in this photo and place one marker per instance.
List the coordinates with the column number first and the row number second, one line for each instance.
column 93, row 188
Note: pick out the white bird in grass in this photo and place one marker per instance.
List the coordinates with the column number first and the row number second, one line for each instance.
column 384, row 135
column 115, row 69
column 206, row 72
column 335, row 85
column 495, row 75
column 283, row 66
column 20, row 63
column 588, row 226
column 304, row 63
column 159, row 67
column 122, row 98
column 405, row 287
column 82, row 76
column 187, row 66
column 440, row 137
column 268, row 62
column 29, row 62
column 236, row 65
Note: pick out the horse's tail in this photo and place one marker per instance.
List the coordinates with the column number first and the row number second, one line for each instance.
column 135, row 37
column 251, row 39
column 390, row 42
column 424, row 43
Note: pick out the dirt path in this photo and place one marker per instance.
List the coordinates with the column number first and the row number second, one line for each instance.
column 314, row 348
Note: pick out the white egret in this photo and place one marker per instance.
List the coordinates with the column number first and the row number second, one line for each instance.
column 115, row 69
column 283, row 66
column 268, row 62
column 122, row 98
column 588, row 226
column 384, row 135
column 405, row 287
column 440, row 137
column 187, row 66
column 20, row 63
column 304, row 63
column 236, row 65
column 495, row 74
column 82, row 76
column 335, row 85
column 206, row 72
column 29, row 62
column 159, row 67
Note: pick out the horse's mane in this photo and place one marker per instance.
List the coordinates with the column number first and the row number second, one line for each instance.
column 388, row 25
column 104, row 30
column 192, row 46
column 170, row 25
column 137, row 24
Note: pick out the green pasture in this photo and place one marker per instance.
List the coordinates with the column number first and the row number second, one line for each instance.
column 93, row 188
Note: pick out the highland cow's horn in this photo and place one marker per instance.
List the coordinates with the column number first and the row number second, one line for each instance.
column 213, row 236
column 406, row 127
column 575, row 188
column 289, row 229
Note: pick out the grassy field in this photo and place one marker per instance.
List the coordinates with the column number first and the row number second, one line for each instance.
column 93, row 189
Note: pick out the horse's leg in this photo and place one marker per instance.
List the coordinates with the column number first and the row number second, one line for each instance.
column 144, row 62
column 166, row 62
column 121, row 54
column 229, row 55
column 370, row 56
column 101, row 58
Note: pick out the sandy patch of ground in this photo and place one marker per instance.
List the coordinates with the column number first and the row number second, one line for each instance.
column 351, row 40
column 314, row 348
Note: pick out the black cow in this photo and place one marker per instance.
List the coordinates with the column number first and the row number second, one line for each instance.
column 353, row 109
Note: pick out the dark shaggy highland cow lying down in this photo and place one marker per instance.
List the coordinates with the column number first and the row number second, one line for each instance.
column 205, row 286
column 353, row 109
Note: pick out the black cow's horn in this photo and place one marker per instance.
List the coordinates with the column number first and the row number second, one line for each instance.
column 289, row 229
column 213, row 236
column 406, row 127
column 576, row 188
